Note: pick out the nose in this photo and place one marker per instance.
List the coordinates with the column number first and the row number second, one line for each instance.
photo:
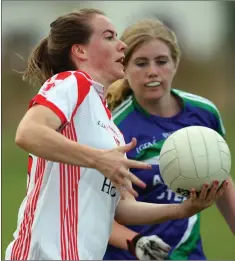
column 121, row 46
column 153, row 70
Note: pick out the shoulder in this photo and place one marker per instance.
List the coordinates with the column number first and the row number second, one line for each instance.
column 201, row 103
column 123, row 110
column 66, row 80
column 198, row 101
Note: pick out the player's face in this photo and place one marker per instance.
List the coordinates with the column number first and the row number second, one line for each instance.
column 105, row 51
column 150, row 70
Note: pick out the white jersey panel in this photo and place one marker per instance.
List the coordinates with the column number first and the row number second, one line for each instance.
column 68, row 211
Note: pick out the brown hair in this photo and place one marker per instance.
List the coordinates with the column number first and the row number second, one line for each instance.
column 134, row 36
column 52, row 55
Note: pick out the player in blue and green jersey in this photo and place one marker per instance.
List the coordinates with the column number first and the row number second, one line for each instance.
column 146, row 107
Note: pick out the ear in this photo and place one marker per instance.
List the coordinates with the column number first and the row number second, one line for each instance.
column 79, row 52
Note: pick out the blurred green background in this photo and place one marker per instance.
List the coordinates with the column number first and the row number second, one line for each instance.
column 206, row 68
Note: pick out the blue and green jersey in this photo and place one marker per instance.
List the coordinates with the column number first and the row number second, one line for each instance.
column 151, row 131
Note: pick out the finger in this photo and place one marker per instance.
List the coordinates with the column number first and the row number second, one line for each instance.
column 129, row 189
column 127, row 185
column 122, row 192
column 129, row 146
column 204, row 191
column 211, row 195
column 119, row 188
column 155, row 240
column 193, row 195
column 123, row 187
column 222, row 189
column 150, row 254
column 138, row 182
column 133, row 164
column 154, row 253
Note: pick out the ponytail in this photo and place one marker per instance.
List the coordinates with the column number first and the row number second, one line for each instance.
column 38, row 66
column 117, row 93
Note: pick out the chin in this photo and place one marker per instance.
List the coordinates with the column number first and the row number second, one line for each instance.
column 118, row 75
column 153, row 96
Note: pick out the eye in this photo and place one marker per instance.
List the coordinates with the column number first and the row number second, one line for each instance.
column 111, row 37
column 161, row 62
column 142, row 64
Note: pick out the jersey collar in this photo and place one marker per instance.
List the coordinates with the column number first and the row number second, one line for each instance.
column 146, row 113
column 98, row 87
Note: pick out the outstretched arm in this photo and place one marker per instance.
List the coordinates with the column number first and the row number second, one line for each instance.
column 130, row 212
column 226, row 205
column 140, row 213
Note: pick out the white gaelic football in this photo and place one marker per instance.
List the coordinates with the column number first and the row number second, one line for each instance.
column 193, row 156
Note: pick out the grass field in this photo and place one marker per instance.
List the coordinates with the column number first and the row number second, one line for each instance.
column 219, row 242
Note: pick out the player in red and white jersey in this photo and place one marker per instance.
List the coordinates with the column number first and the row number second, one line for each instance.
column 77, row 164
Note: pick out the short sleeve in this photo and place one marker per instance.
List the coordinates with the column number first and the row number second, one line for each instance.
column 63, row 94
column 219, row 125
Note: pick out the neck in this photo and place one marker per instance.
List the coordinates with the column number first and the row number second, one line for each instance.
column 166, row 106
column 97, row 77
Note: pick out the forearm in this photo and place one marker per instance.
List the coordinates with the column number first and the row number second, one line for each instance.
column 47, row 143
column 139, row 213
column 119, row 236
column 226, row 205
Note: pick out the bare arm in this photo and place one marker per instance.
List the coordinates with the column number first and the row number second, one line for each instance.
column 226, row 205
column 37, row 134
column 119, row 235
column 131, row 212
column 140, row 213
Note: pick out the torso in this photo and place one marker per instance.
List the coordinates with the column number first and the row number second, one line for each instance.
column 69, row 209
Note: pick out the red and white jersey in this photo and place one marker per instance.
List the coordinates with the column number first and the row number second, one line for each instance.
column 68, row 211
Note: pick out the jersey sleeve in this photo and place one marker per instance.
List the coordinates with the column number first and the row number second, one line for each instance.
column 218, row 122
column 63, row 93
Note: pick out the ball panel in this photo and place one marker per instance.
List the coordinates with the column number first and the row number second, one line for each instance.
column 224, row 147
column 187, row 167
column 213, row 152
column 183, row 186
column 226, row 162
column 170, row 172
column 181, row 140
column 166, row 159
column 199, row 153
column 220, row 176
column 167, row 146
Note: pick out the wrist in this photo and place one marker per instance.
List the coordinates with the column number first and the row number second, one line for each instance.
column 178, row 211
column 131, row 244
column 94, row 158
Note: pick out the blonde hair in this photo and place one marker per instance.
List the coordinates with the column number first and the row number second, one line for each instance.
column 134, row 36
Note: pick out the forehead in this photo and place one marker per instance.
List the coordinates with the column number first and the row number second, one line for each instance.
column 153, row 48
column 101, row 23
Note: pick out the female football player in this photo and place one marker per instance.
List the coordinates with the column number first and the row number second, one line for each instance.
column 146, row 106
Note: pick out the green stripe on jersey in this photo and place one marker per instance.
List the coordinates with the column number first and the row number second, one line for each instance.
column 149, row 150
column 203, row 103
column 121, row 112
column 189, row 240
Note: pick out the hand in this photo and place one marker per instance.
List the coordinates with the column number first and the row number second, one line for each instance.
column 115, row 166
column 204, row 200
column 148, row 247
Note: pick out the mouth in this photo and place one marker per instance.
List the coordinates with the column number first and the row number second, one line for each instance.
column 120, row 60
column 152, row 84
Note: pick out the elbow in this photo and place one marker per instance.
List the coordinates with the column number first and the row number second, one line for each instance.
column 21, row 138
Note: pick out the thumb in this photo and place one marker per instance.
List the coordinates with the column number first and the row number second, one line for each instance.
column 129, row 146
